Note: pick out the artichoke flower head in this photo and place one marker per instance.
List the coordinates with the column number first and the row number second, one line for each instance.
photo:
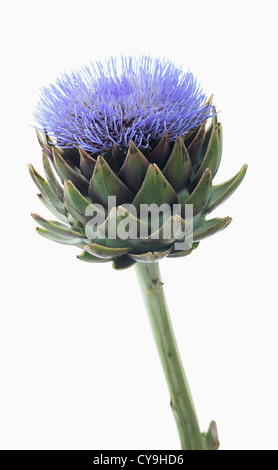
column 124, row 142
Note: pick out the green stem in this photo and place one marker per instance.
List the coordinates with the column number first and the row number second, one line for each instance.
column 181, row 400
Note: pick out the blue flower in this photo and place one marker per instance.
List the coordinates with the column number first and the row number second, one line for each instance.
column 99, row 106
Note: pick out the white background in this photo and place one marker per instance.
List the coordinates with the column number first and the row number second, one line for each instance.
column 79, row 369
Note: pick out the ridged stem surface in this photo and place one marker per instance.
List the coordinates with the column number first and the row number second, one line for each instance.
column 181, row 400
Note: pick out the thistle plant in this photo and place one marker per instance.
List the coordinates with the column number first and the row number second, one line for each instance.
column 129, row 152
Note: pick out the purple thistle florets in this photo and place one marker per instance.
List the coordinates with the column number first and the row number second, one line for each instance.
column 99, row 106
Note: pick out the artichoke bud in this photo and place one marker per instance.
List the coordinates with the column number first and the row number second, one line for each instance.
column 130, row 181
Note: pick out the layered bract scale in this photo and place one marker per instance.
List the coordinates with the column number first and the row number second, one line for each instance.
column 166, row 172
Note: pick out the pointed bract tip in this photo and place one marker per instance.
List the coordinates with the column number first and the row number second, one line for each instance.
column 100, row 160
column 132, row 145
column 228, row 220
column 165, row 135
column 39, row 137
column 36, row 216
column 210, row 100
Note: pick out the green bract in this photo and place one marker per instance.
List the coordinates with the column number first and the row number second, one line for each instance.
column 179, row 172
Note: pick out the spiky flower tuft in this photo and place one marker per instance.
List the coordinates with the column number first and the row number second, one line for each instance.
column 138, row 99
